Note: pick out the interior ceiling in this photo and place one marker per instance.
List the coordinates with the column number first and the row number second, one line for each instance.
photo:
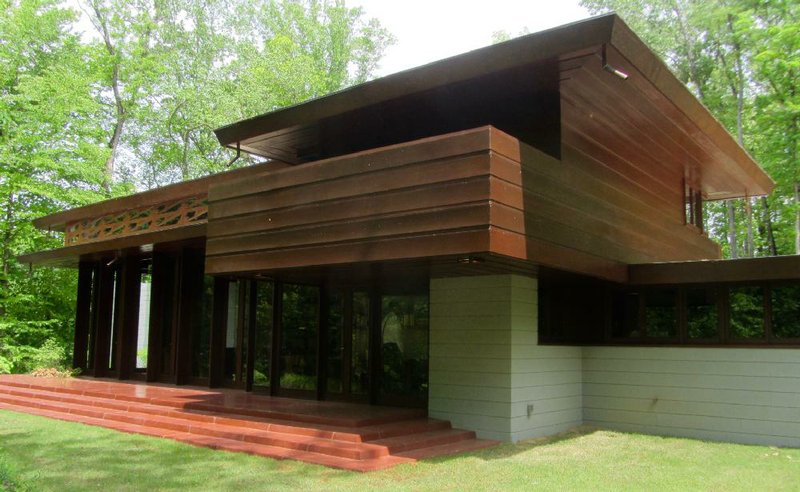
column 523, row 101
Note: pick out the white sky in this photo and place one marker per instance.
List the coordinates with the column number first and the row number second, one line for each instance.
column 429, row 30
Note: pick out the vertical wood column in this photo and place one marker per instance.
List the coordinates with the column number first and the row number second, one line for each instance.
column 251, row 334
column 127, row 318
column 375, row 346
column 322, row 342
column 102, row 320
column 216, row 372
column 277, row 329
column 83, row 311
column 159, row 292
column 189, row 309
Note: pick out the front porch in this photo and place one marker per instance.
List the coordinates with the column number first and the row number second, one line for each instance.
column 339, row 434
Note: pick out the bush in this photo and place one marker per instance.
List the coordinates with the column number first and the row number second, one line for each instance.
column 51, row 355
column 5, row 365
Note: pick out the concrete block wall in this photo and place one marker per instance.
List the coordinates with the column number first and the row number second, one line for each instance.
column 487, row 371
column 745, row 395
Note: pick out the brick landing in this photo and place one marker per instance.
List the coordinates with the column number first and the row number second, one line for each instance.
column 340, row 435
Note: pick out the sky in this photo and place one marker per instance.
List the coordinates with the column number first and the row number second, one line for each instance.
column 429, row 30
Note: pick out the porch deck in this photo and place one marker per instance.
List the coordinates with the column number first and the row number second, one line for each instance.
column 337, row 434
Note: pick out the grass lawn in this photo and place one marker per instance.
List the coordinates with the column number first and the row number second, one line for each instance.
column 43, row 454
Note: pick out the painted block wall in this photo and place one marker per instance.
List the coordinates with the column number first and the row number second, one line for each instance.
column 745, row 395
column 486, row 367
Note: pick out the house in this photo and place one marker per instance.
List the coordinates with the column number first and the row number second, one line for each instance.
column 511, row 239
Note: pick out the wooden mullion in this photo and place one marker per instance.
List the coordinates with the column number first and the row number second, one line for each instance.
column 277, row 329
column 347, row 341
column 105, row 299
column 251, row 335
column 322, row 342
column 83, row 312
column 217, row 348
column 127, row 316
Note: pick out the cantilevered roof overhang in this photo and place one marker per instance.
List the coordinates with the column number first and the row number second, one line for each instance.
column 513, row 86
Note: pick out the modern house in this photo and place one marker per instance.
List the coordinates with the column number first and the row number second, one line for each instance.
column 511, row 239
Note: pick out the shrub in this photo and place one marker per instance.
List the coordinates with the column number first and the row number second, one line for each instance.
column 51, row 355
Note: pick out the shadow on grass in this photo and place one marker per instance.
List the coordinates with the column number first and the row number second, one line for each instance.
column 55, row 452
column 507, row 450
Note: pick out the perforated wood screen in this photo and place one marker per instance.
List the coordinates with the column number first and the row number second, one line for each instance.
column 163, row 216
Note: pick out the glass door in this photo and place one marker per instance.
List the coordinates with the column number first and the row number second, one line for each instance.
column 348, row 345
column 299, row 331
column 404, row 331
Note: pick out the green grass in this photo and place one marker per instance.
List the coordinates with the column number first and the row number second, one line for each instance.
column 44, row 454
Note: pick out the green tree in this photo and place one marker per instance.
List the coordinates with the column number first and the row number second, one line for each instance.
column 49, row 149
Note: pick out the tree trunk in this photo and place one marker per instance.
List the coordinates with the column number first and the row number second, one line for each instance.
column 748, row 210
column 772, row 248
column 730, row 205
column 101, row 24
column 6, row 255
column 797, row 218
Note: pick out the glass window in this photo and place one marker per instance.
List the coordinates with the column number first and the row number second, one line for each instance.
column 335, row 341
column 702, row 319
column 625, row 315
column 299, row 337
column 263, row 343
column 359, row 372
column 661, row 313
column 404, row 333
column 143, row 328
column 786, row 311
column 746, row 312
column 202, row 331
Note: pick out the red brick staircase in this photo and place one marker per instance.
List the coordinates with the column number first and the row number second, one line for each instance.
column 340, row 435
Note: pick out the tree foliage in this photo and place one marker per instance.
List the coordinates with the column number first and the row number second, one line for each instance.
column 131, row 103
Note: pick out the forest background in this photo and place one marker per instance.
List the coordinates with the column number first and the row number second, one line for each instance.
column 133, row 106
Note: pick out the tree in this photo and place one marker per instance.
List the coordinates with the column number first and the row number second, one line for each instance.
column 49, row 147
column 85, row 118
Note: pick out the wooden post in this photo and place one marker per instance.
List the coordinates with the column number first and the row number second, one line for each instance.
column 189, row 308
column 251, row 334
column 277, row 328
column 103, row 321
column 127, row 318
column 375, row 346
column 218, row 333
column 83, row 311
column 159, row 291
column 322, row 342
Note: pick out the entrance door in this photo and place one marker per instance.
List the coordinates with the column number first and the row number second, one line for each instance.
column 348, row 370
column 298, row 340
column 404, row 331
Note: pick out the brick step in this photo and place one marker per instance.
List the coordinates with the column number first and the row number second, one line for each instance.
column 411, row 442
column 346, row 449
column 342, row 435
column 97, row 389
column 362, row 434
column 218, row 442
column 458, row 447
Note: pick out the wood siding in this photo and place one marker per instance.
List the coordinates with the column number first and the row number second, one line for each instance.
column 627, row 165
column 728, row 394
column 422, row 199
column 472, row 192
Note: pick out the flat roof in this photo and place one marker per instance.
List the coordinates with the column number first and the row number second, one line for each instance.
column 487, row 86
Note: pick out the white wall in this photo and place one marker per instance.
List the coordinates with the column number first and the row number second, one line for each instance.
column 745, row 395
column 486, row 366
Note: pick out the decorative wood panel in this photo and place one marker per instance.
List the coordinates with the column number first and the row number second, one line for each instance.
column 170, row 215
